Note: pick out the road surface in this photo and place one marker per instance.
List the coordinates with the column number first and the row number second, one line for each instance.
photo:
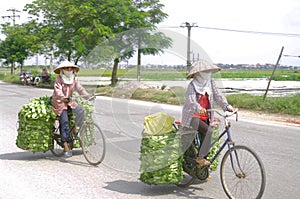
column 25, row 175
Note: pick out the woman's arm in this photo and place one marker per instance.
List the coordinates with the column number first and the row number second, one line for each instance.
column 219, row 97
column 58, row 91
column 79, row 88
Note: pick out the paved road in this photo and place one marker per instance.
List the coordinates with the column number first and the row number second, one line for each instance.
column 41, row 175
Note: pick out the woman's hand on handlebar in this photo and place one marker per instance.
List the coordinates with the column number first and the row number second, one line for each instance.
column 230, row 108
column 202, row 111
column 66, row 99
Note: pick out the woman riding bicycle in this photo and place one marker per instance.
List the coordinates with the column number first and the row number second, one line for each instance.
column 200, row 95
column 64, row 86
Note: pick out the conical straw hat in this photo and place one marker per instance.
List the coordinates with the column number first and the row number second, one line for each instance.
column 65, row 64
column 202, row 66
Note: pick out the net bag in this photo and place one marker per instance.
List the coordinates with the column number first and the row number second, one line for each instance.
column 160, row 153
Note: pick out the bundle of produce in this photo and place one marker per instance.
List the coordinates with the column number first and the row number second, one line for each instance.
column 35, row 130
column 88, row 106
column 215, row 148
column 161, row 155
column 89, row 109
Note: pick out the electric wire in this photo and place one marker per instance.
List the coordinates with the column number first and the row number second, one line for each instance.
column 241, row 31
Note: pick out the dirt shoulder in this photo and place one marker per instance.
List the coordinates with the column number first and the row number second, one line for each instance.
column 288, row 120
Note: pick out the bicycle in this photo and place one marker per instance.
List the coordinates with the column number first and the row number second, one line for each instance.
column 90, row 138
column 241, row 171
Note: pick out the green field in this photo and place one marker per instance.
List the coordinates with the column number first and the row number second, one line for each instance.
column 168, row 74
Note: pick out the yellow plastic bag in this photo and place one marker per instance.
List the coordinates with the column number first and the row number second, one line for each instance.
column 158, row 124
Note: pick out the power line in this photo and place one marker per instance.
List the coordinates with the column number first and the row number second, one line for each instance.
column 242, row 31
column 253, row 32
column 298, row 56
column 13, row 16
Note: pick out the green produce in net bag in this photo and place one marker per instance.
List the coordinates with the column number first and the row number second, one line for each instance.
column 215, row 148
column 161, row 155
column 35, row 125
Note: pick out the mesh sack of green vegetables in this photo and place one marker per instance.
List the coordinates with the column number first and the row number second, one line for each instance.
column 35, row 125
column 89, row 110
column 88, row 107
column 161, row 155
column 215, row 148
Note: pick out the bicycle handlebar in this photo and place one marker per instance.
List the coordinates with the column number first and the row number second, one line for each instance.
column 227, row 113
column 86, row 97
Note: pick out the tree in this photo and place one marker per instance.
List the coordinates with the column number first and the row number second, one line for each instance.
column 72, row 28
column 18, row 44
column 155, row 16
column 140, row 31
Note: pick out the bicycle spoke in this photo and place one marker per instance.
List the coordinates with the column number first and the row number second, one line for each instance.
column 92, row 143
column 249, row 180
column 57, row 149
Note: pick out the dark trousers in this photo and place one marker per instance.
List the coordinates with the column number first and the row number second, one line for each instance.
column 205, row 131
column 64, row 121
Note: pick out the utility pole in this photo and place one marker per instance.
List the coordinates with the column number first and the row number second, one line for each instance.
column 270, row 79
column 13, row 16
column 189, row 27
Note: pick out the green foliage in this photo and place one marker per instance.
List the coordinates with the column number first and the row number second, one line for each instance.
column 35, row 131
column 169, row 97
column 287, row 76
column 11, row 78
column 161, row 159
column 285, row 105
column 18, row 44
column 215, row 148
column 279, row 75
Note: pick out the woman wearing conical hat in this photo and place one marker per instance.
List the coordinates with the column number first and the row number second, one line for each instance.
column 64, row 85
column 201, row 94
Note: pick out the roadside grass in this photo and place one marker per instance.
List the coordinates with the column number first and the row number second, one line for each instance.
column 285, row 105
column 176, row 95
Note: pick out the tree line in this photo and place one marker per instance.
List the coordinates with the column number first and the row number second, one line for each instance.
column 96, row 32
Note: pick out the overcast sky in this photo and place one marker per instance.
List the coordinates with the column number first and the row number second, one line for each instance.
column 280, row 16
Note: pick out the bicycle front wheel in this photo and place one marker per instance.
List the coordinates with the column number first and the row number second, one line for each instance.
column 92, row 143
column 242, row 173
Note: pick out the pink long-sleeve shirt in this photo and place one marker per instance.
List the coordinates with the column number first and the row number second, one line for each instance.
column 62, row 90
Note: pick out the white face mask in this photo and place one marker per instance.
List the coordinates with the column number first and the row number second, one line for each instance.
column 202, row 82
column 205, row 75
column 68, row 73
column 67, row 76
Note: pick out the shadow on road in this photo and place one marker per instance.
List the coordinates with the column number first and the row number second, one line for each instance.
column 39, row 156
column 139, row 188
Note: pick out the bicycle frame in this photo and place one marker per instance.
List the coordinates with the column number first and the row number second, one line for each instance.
column 72, row 135
column 238, row 160
column 228, row 142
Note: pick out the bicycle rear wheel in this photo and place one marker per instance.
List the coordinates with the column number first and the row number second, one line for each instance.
column 189, row 167
column 242, row 173
column 92, row 143
column 57, row 149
